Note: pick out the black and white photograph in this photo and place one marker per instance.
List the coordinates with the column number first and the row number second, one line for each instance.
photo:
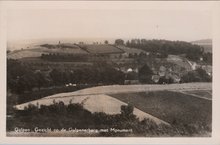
column 109, row 69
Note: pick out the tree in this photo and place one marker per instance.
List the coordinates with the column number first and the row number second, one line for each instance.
column 128, row 43
column 203, row 75
column 145, row 74
column 40, row 80
column 106, row 41
column 207, row 57
column 127, row 110
column 56, row 76
column 198, row 75
column 119, row 42
column 20, row 78
column 191, row 76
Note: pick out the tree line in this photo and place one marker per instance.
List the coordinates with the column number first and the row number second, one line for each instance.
column 65, row 57
column 165, row 47
column 21, row 78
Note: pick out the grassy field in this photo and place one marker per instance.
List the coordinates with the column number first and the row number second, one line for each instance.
column 203, row 93
column 131, row 50
column 37, row 51
column 173, row 107
column 24, row 53
column 101, row 49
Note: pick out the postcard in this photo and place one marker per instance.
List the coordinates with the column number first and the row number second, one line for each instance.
column 120, row 72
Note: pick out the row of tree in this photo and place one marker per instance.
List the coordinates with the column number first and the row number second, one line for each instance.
column 64, row 57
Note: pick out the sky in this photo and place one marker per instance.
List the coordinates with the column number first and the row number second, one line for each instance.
column 126, row 23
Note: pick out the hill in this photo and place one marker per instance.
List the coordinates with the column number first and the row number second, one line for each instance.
column 38, row 50
column 205, row 43
column 176, row 105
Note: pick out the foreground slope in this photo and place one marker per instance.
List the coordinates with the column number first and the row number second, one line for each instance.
column 95, row 99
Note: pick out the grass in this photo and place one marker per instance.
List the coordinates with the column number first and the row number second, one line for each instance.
column 172, row 107
column 202, row 93
column 101, row 49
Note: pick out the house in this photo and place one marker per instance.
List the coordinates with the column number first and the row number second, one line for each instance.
column 155, row 78
column 208, row 69
column 175, row 78
column 162, row 71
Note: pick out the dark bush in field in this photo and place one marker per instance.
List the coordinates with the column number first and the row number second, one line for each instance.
column 145, row 74
column 198, row 75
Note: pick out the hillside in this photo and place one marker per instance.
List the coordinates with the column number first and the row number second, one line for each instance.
column 205, row 43
column 115, row 89
column 176, row 106
column 38, row 50
column 172, row 107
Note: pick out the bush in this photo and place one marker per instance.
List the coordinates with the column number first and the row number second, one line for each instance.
column 145, row 74
column 198, row 75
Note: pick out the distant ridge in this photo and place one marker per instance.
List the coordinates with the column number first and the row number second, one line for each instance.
column 202, row 41
column 205, row 43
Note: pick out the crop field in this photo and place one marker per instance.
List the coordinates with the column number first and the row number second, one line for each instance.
column 74, row 49
column 94, row 103
column 37, row 51
column 131, row 50
column 115, row 89
column 23, row 53
column 101, row 49
column 172, row 107
column 200, row 93
column 126, row 89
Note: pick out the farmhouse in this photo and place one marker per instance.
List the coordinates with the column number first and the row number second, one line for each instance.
column 155, row 78
column 162, row 71
column 208, row 69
